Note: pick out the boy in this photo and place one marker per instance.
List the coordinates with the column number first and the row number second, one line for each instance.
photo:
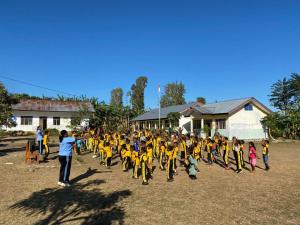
column 265, row 153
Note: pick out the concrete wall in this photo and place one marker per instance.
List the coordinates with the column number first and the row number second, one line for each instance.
column 185, row 124
column 65, row 120
column 246, row 124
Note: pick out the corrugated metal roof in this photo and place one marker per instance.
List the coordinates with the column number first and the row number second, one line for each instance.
column 153, row 114
column 223, row 107
column 52, row 105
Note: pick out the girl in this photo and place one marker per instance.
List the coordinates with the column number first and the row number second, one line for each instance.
column 149, row 158
column 241, row 143
column 225, row 147
column 252, row 155
column 101, row 150
column 208, row 149
column 65, row 157
column 265, row 153
column 236, row 150
column 143, row 164
column 170, row 163
column 136, row 163
column 162, row 151
column 108, row 152
column 192, row 168
column 45, row 143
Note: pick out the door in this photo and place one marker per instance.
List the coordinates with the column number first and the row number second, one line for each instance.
column 207, row 127
column 43, row 123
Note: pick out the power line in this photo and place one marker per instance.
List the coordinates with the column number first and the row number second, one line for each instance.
column 35, row 85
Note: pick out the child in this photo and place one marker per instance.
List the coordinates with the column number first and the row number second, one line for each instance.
column 265, row 153
column 126, row 157
column 143, row 164
column 208, row 149
column 241, row 144
column 213, row 150
column 45, row 143
column 170, row 162
column 196, row 150
column 236, row 150
column 108, row 152
column 225, row 146
column 162, row 151
column 252, row 155
column 192, row 168
column 182, row 148
column 101, row 150
column 150, row 159
column 136, row 162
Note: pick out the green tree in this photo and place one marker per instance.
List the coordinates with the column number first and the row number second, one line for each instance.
column 173, row 118
column 282, row 94
column 6, row 102
column 295, row 84
column 173, row 95
column 201, row 100
column 137, row 95
column 116, row 98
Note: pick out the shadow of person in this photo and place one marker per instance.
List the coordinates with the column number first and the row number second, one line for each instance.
column 88, row 173
column 81, row 204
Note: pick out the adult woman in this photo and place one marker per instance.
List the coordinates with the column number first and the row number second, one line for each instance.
column 65, row 157
column 39, row 138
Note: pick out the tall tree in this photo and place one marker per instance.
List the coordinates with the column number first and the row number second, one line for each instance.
column 116, row 98
column 137, row 94
column 295, row 84
column 282, row 94
column 174, row 94
column 201, row 100
column 6, row 113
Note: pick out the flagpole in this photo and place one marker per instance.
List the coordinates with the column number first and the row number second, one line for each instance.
column 158, row 107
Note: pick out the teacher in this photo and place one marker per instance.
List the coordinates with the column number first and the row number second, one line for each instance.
column 65, row 158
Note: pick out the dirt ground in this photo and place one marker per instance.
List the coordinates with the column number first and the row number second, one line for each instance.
column 30, row 195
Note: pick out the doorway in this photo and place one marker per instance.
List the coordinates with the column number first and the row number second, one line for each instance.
column 43, row 122
column 207, row 127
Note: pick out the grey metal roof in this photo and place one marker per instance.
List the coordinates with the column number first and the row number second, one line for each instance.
column 153, row 114
column 52, row 105
column 223, row 107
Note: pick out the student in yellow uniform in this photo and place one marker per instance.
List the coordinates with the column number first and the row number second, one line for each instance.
column 101, row 150
column 95, row 145
column 108, row 153
column 136, row 164
column 157, row 148
column 182, row 149
column 45, row 143
column 225, row 147
column 265, row 153
column 236, row 150
column 170, row 162
column 241, row 152
column 174, row 158
column 143, row 165
column 209, row 149
column 126, row 155
column 196, row 148
column 150, row 159
column 90, row 143
column 162, row 152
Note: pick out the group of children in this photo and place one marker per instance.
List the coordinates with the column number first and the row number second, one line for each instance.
column 138, row 150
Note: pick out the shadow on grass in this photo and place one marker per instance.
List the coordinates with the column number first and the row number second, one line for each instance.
column 81, row 204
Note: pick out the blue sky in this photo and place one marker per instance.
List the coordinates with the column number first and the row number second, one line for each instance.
column 219, row 49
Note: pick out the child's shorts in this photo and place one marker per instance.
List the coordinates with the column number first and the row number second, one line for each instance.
column 253, row 162
column 213, row 152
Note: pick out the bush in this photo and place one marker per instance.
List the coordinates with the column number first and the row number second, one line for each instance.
column 53, row 132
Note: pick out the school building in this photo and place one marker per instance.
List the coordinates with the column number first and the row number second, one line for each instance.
column 237, row 117
column 47, row 114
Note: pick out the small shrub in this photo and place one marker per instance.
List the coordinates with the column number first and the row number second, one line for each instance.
column 53, row 132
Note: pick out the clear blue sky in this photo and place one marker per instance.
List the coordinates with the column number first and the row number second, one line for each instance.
column 220, row 49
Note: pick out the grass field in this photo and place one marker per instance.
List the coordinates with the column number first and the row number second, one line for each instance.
column 30, row 195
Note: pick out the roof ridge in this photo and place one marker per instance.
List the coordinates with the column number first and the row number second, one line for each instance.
column 228, row 100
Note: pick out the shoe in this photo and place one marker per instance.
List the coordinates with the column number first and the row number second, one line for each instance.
column 94, row 156
column 67, row 184
column 61, row 184
column 145, row 183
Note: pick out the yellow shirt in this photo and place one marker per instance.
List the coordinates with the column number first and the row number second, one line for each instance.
column 45, row 140
column 208, row 146
column 108, row 151
column 265, row 150
column 149, row 152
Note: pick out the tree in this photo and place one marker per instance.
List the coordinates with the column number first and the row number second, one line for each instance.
column 116, row 98
column 173, row 118
column 295, row 84
column 174, row 94
column 201, row 100
column 281, row 94
column 137, row 95
column 6, row 102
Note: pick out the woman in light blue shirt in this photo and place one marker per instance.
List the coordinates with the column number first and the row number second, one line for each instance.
column 65, row 157
column 39, row 138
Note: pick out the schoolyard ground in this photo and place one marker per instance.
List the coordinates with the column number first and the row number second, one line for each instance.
column 30, row 195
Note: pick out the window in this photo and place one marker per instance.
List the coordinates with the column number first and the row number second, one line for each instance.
column 26, row 120
column 56, row 121
column 248, row 107
column 197, row 124
column 221, row 124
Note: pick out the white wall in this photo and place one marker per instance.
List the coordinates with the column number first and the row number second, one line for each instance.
column 65, row 120
column 246, row 124
column 185, row 124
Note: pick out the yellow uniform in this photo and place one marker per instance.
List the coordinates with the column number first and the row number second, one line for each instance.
column 143, row 164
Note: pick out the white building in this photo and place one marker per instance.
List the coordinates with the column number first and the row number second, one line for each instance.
column 49, row 114
column 238, row 117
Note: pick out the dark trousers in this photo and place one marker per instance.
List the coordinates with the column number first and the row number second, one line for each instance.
column 65, row 168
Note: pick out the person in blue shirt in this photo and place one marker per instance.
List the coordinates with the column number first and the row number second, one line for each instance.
column 65, row 157
column 39, row 138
